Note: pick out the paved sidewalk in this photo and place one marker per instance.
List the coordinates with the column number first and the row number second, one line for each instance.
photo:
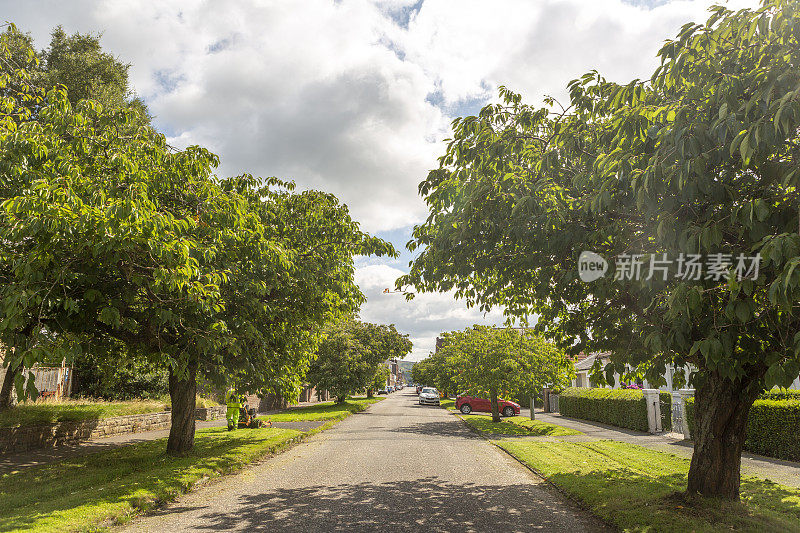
column 776, row 470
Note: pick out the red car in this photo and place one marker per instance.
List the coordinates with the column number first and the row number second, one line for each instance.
column 467, row 404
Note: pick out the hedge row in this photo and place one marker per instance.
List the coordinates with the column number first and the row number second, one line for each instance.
column 617, row 407
column 777, row 394
column 773, row 427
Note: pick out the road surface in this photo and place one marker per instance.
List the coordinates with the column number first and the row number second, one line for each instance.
column 398, row 466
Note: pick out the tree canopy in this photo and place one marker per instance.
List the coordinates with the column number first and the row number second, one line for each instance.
column 108, row 233
column 494, row 362
column 351, row 356
column 702, row 158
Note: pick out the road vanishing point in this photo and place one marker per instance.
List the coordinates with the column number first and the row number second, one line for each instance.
column 397, row 466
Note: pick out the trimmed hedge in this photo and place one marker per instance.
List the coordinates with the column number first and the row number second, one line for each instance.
column 777, row 394
column 773, row 427
column 617, row 407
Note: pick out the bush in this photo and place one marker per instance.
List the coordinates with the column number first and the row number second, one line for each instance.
column 773, row 427
column 617, row 407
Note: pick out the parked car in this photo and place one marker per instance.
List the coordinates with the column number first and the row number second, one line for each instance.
column 468, row 404
column 390, row 388
column 383, row 391
column 419, row 389
column 429, row 396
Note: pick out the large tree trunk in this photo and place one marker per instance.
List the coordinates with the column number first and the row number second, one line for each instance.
column 495, row 408
column 7, row 390
column 341, row 399
column 721, row 408
column 183, row 393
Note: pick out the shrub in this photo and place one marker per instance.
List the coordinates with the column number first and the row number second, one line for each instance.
column 773, row 427
column 617, row 407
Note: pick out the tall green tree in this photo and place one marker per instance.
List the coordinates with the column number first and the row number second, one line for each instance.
column 79, row 65
column 351, row 353
column 110, row 234
column 702, row 158
column 489, row 361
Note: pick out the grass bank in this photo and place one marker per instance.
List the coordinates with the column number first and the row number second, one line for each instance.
column 48, row 412
column 323, row 411
column 51, row 411
column 639, row 490
column 88, row 492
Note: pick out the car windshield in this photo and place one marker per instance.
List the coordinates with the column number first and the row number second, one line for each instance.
column 431, row 391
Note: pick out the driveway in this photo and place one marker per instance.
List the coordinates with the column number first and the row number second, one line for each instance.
column 396, row 466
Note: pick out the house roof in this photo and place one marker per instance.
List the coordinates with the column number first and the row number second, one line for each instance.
column 588, row 362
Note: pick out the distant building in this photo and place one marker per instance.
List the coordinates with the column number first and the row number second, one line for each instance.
column 405, row 370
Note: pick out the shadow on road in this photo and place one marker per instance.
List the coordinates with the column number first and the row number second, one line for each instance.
column 426, row 504
column 449, row 428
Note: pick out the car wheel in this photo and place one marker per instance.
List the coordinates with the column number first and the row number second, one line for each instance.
column 508, row 411
column 466, row 409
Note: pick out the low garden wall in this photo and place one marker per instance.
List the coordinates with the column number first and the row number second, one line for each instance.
column 210, row 413
column 773, row 427
column 624, row 408
column 20, row 439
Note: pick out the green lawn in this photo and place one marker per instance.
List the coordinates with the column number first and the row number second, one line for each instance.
column 323, row 411
column 46, row 412
column 638, row 489
column 448, row 404
column 84, row 493
column 517, row 425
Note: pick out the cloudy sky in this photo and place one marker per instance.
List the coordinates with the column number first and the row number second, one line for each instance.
column 356, row 96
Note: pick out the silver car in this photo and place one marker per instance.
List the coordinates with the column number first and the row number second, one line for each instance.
column 429, row 396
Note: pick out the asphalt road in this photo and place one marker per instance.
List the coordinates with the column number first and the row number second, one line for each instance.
column 396, row 467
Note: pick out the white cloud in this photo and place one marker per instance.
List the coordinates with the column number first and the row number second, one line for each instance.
column 425, row 316
column 353, row 96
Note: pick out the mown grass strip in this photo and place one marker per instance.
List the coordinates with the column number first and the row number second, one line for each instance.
column 83, row 493
column 516, row 426
column 323, row 411
column 639, row 490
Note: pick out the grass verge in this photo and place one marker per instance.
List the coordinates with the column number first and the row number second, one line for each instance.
column 88, row 492
column 44, row 412
column 323, row 411
column 48, row 412
column 638, row 489
column 448, row 404
column 517, row 426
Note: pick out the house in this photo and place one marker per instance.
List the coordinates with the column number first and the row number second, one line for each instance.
column 584, row 362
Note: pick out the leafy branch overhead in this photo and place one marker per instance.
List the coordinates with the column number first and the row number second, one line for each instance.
column 702, row 158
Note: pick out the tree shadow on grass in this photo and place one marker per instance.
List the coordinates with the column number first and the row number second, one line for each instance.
column 423, row 505
column 639, row 502
column 105, row 483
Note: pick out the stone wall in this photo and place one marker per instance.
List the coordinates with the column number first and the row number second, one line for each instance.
column 28, row 438
column 210, row 413
column 22, row 439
